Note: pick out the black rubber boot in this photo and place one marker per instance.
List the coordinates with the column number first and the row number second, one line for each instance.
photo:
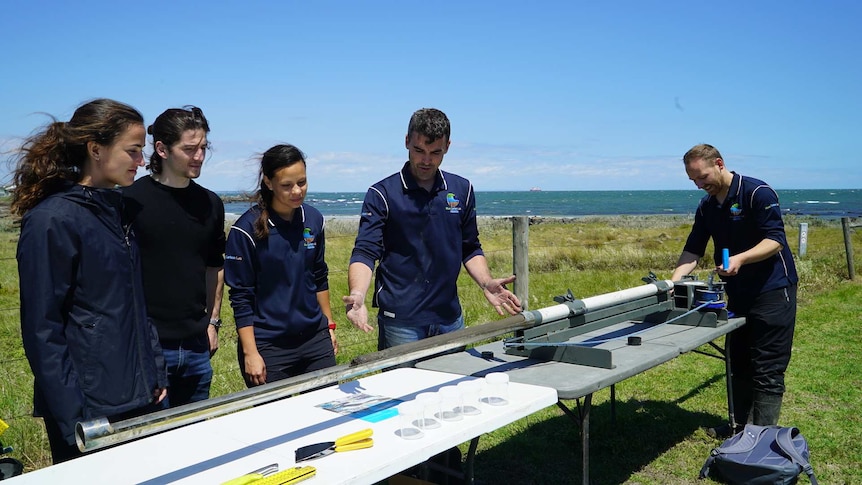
column 767, row 407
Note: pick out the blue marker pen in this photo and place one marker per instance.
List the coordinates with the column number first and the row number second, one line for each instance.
column 725, row 258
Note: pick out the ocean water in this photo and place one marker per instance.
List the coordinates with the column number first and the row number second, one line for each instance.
column 827, row 203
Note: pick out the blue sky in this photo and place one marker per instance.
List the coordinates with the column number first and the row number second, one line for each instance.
column 565, row 95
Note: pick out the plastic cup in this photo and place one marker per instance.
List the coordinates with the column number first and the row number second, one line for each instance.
column 450, row 404
column 496, row 391
column 470, row 397
column 409, row 415
column 430, row 402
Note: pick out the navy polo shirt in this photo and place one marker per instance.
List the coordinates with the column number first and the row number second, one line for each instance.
column 274, row 281
column 749, row 214
column 421, row 239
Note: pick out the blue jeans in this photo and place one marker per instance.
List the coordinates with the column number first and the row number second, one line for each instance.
column 392, row 335
column 189, row 370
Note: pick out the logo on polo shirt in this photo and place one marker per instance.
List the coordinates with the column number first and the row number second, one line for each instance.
column 735, row 212
column 452, row 203
column 308, row 237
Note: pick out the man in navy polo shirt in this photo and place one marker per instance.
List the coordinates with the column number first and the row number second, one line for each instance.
column 420, row 224
column 742, row 214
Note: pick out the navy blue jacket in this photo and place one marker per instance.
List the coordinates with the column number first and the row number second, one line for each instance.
column 421, row 239
column 749, row 214
column 274, row 281
column 84, row 323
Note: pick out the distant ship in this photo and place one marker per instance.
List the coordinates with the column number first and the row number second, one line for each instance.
column 535, row 189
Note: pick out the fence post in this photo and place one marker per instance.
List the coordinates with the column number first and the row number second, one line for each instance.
column 848, row 247
column 803, row 239
column 520, row 258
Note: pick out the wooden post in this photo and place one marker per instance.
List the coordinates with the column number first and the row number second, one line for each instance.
column 848, row 247
column 520, row 258
column 803, row 239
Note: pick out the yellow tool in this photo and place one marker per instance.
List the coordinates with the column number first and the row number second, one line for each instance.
column 253, row 476
column 353, row 441
column 291, row 475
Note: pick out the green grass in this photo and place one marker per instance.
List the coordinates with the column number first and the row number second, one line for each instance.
column 656, row 438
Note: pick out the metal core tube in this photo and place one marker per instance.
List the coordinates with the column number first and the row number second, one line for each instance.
column 99, row 433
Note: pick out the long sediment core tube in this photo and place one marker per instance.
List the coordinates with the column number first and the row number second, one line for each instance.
column 99, row 433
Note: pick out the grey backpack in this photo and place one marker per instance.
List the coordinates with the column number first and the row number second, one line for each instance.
column 760, row 455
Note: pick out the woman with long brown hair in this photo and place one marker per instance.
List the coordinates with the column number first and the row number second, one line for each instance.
column 91, row 348
column 278, row 277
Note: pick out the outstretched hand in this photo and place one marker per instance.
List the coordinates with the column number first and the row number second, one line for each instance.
column 500, row 297
column 356, row 311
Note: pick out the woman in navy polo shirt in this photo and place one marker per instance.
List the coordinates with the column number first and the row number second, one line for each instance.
column 278, row 278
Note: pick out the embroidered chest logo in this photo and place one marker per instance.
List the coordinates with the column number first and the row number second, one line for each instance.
column 735, row 212
column 308, row 238
column 452, row 203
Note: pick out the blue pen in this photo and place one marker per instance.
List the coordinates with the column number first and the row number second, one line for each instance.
column 725, row 258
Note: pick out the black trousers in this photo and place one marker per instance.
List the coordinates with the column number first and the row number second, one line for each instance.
column 60, row 450
column 293, row 355
column 760, row 349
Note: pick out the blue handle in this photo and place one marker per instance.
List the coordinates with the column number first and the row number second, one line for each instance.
column 725, row 258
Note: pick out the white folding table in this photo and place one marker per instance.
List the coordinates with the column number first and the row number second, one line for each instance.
column 219, row 449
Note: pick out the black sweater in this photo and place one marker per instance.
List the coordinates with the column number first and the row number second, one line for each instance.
column 180, row 233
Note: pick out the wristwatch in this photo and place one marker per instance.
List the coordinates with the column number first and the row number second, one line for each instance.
column 215, row 322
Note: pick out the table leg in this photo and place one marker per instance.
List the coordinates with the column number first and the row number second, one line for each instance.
column 585, row 438
column 728, row 375
column 583, row 419
column 471, row 455
column 447, row 468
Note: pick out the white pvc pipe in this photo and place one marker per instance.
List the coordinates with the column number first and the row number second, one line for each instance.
column 551, row 313
column 561, row 311
column 609, row 299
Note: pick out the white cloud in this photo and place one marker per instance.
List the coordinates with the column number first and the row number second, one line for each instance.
column 509, row 167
